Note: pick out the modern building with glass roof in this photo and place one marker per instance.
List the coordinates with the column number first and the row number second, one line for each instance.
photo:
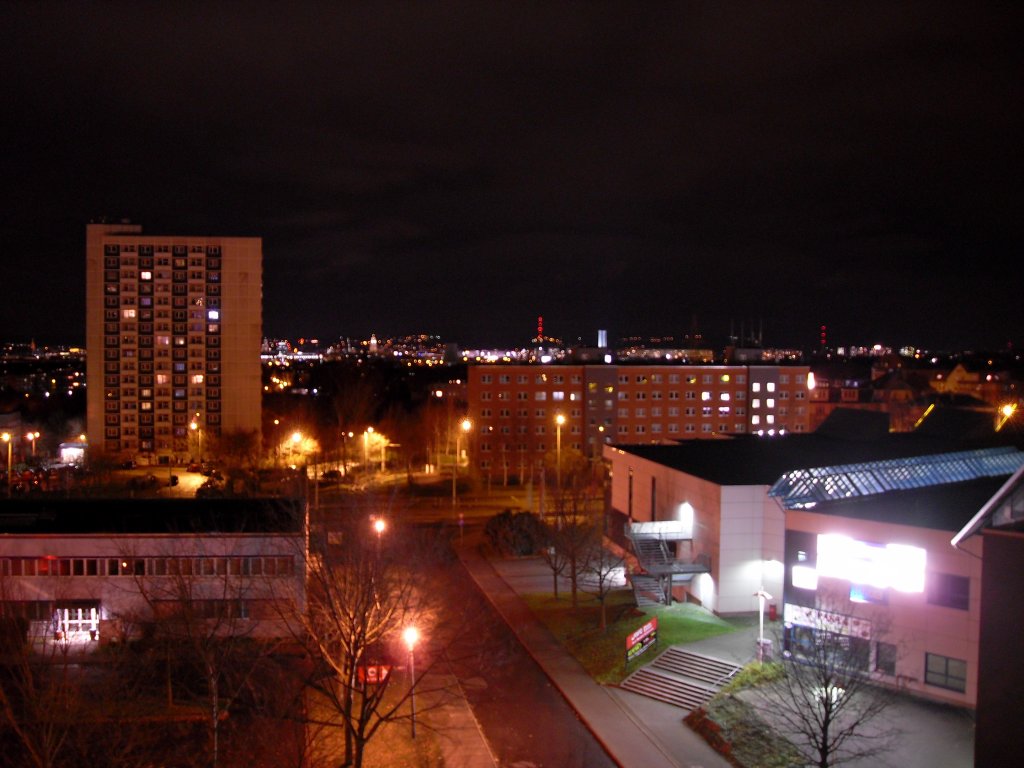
column 751, row 512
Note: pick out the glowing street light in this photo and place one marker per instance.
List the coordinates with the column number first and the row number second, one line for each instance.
column 194, row 426
column 366, row 446
column 559, row 421
column 1006, row 412
column 8, row 438
column 411, row 636
column 296, row 441
column 32, row 437
column 464, row 426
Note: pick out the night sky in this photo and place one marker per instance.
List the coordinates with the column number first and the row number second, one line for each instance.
column 461, row 168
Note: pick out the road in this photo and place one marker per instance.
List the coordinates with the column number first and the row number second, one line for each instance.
column 525, row 720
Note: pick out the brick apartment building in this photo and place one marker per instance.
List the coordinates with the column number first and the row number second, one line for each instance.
column 514, row 408
column 173, row 330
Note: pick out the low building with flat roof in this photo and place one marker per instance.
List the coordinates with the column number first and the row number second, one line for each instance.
column 89, row 571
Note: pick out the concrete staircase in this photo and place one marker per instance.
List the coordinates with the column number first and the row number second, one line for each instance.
column 681, row 678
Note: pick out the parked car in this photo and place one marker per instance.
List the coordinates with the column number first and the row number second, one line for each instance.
column 143, row 482
column 210, row 489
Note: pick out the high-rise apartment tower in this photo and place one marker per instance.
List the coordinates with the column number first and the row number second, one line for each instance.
column 173, row 329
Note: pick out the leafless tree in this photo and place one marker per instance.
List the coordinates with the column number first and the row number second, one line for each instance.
column 40, row 699
column 826, row 703
column 602, row 572
column 203, row 613
column 554, row 555
column 363, row 592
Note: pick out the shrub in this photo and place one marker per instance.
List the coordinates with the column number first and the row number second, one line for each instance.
column 515, row 533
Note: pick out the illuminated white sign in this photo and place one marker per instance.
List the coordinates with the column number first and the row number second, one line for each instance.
column 890, row 566
column 805, row 577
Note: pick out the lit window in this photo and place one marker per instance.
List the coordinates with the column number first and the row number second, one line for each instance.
column 771, row 386
column 756, row 386
column 705, row 396
column 213, row 314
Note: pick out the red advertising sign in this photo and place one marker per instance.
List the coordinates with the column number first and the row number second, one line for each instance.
column 372, row 673
column 639, row 641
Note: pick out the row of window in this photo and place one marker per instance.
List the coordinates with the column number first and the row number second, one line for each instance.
column 148, row 249
column 940, row 671
column 148, row 566
column 654, row 378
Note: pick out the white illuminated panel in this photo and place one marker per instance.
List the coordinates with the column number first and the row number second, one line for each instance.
column 891, row 566
column 805, row 577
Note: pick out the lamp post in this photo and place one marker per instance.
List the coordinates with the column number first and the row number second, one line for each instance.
column 8, row 438
column 464, row 426
column 32, row 437
column 379, row 526
column 194, row 426
column 761, row 596
column 559, row 421
column 366, row 447
column 411, row 635
column 345, row 437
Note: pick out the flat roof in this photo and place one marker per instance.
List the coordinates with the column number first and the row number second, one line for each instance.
column 151, row 516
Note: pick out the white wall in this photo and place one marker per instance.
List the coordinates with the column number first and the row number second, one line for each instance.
column 751, row 548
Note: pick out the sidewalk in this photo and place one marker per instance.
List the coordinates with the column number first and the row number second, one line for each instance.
column 635, row 731
column 639, row 732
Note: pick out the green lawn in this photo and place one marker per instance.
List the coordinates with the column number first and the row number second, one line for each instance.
column 603, row 653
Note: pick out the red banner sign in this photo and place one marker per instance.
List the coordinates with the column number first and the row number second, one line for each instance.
column 639, row 641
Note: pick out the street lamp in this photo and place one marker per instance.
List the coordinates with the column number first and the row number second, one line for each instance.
column 464, row 426
column 9, row 439
column 559, row 421
column 379, row 526
column 761, row 596
column 411, row 635
column 345, row 437
column 194, row 426
column 366, row 448
column 296, row 439
column 32, row 437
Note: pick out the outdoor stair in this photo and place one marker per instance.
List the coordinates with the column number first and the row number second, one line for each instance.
column 681, row 678
column 651, row 552
column 646, row 590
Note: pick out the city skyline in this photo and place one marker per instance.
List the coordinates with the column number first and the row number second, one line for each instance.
column 465, row 168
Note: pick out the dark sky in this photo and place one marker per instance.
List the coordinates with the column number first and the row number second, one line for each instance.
column 460, row 168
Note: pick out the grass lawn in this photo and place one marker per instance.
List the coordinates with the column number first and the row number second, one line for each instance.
column 603, row 653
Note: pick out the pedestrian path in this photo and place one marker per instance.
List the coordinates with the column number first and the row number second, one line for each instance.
column 636, row 731
column 639, row 731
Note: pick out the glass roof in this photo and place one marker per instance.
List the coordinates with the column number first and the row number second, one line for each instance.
column 803, row 488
